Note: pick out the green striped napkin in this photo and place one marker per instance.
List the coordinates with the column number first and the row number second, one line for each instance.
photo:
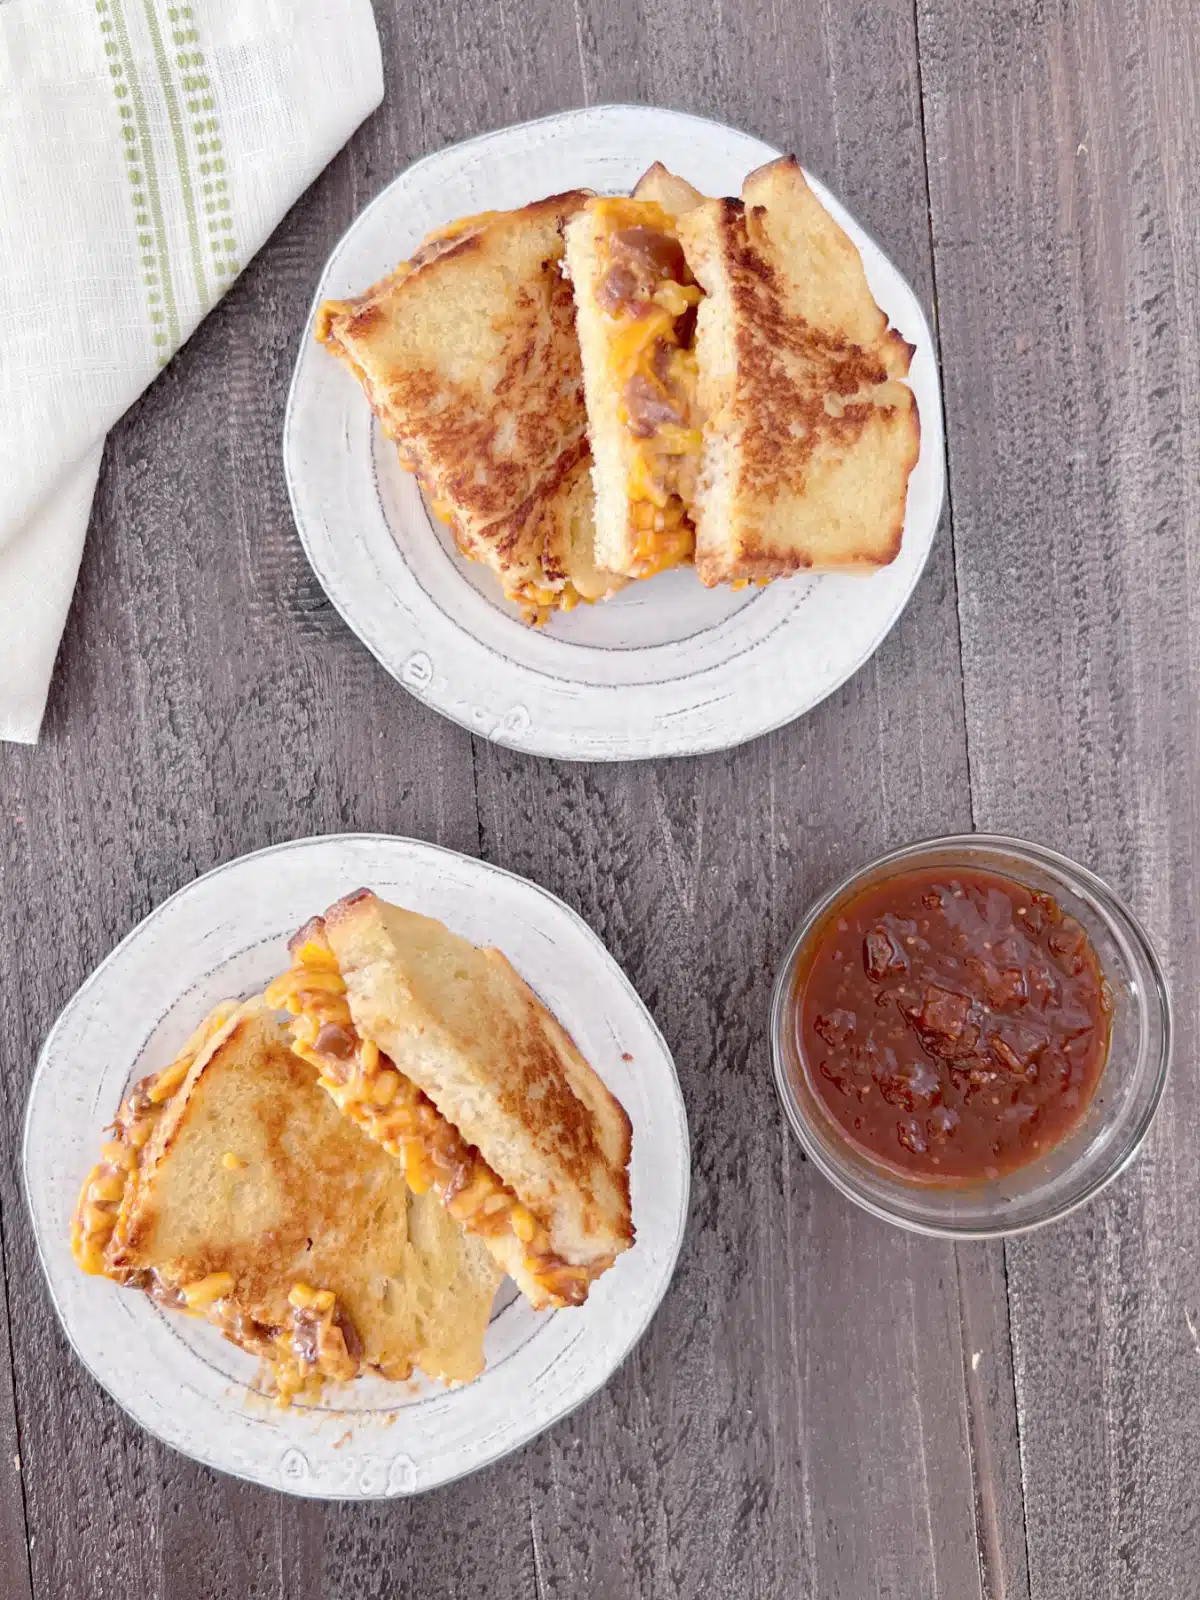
column 147, row 149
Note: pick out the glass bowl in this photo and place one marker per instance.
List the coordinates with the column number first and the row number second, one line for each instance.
column 1123, row 1106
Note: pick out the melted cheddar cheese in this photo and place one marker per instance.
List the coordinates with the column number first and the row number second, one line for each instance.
column 646, row 345
column 370, row 1089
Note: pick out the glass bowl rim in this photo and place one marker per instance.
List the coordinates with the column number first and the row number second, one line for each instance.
column 1113, row 907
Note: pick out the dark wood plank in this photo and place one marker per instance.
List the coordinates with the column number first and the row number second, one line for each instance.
column 992, row 1422
column 804, row 1414
column 208, row 701
column 215, row 1537
column 15, row 1576
column 796, row 1419
column 1064, row 145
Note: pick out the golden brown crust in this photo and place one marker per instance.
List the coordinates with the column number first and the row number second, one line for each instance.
column 821, row 433
column 535, row 1044
column 518, row 539
column 791, row 368
column 313, row 1197
column 676, row 195
column 477, row 457
column 314, row 928
column 468, row 356
column 251, row 1176
column 310, row 1200
column 462, row 1025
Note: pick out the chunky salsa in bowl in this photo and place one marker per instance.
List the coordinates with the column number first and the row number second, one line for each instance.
column 971, row 1035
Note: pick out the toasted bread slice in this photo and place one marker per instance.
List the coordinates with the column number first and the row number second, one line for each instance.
column 568, row 537
column 462, row 1025
column 548, row 544
column 810, row 435
column 673, row 193
column 248, row 1199
column 445, row 1056
column 469, row 358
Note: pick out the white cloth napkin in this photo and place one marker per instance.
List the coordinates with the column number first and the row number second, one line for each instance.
column 147, row 149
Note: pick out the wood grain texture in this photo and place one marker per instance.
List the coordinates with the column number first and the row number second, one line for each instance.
column 207, row 701
column 796, row 1420
column 1064, row 159
column 802, row 1391
column 15, row 1577
column 823, row 1407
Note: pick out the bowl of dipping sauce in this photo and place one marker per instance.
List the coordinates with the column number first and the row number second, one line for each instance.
column 970, row 1036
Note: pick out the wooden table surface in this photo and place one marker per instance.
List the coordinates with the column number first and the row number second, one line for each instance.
column 824, row 1406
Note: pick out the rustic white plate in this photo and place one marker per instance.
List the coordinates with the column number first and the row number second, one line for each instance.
column 665, row 668
column 225, row 935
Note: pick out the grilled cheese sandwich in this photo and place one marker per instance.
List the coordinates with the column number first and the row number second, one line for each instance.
column 745, row 393
column 636, row 302
column 232, row 1190
column 467, row 354
column 811, row 433
column 444, row 1056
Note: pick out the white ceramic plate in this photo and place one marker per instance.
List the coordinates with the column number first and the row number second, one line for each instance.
column 225, row 935
column 665, row 668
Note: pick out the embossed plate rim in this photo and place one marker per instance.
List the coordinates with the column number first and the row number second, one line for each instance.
column 215, row 933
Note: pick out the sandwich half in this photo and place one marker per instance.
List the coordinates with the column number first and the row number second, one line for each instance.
column 636, row 302
column 745, row 393
column 233, row 1190
column 468, row 355
column 445, row 1056
column 810, row 433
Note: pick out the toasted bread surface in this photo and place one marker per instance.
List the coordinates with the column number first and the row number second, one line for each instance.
column 810, row 433
column 462, row 1025
column 567, row 533
column 673, row 193
column 450, row 1280
column 251, row 1172
column 469, row 357
column 547, row 546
